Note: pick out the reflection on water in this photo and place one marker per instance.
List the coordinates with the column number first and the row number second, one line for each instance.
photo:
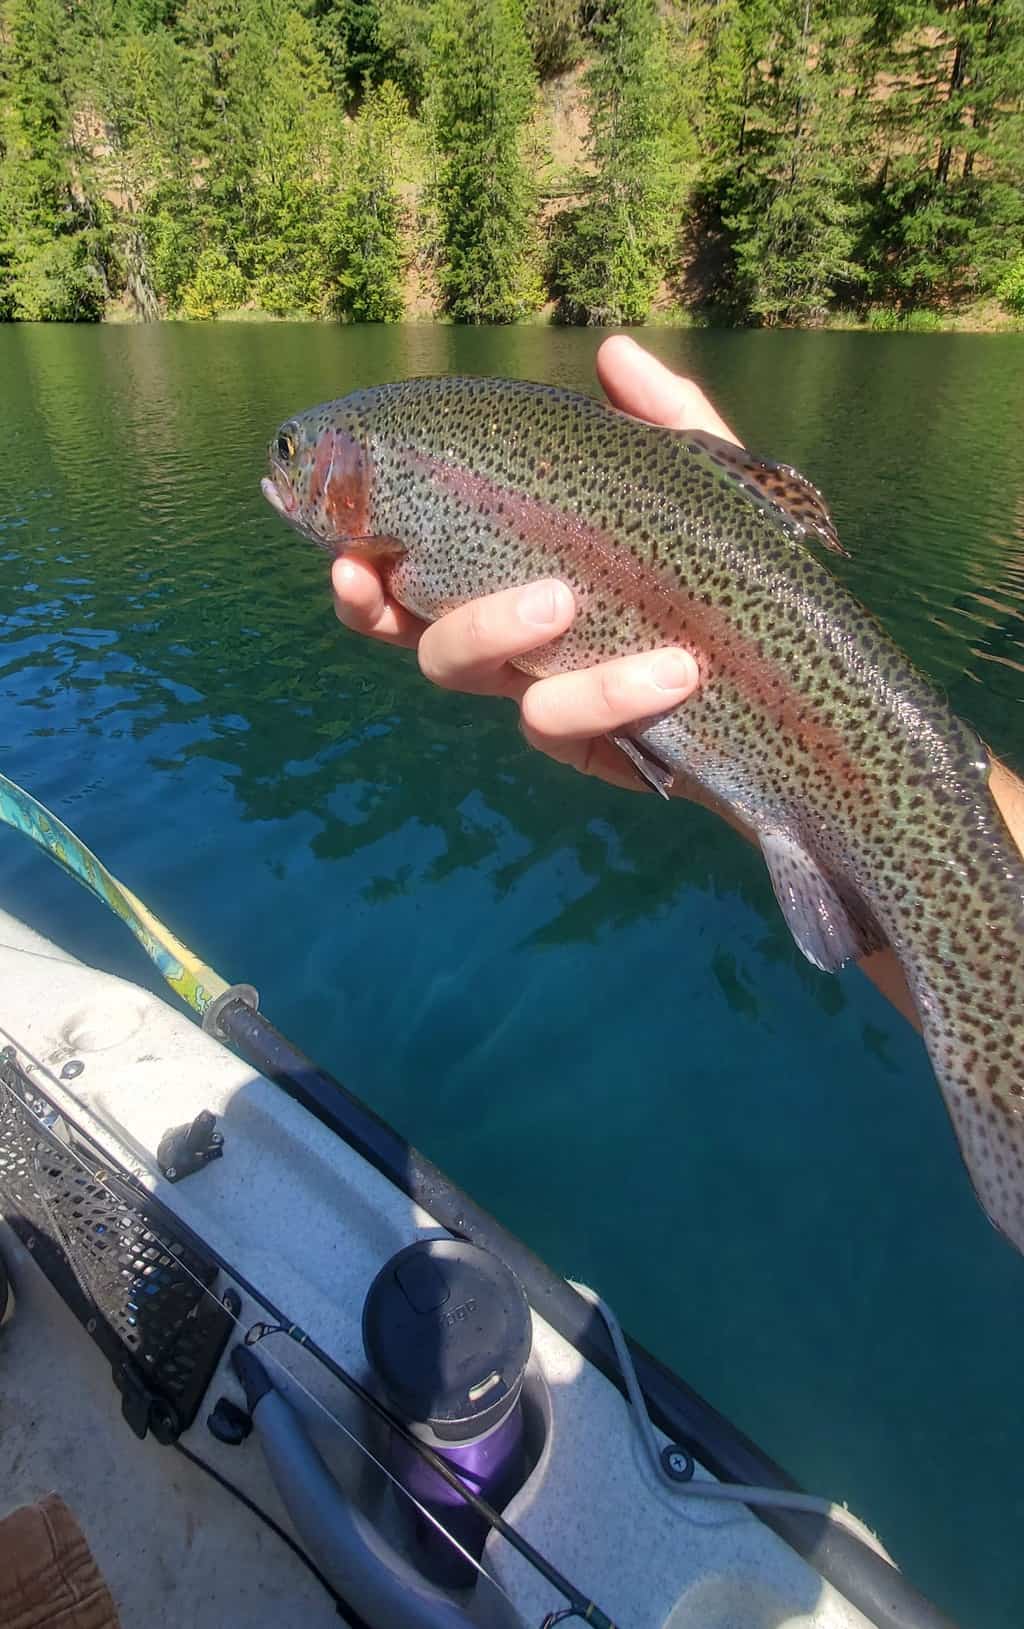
column 584, row 1005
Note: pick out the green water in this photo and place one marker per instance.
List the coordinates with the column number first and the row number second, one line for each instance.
column 583, row 1004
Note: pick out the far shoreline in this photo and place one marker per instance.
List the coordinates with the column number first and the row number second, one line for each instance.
column 986, row 318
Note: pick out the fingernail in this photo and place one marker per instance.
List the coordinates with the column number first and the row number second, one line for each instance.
column 541, row 603
column 673, row 670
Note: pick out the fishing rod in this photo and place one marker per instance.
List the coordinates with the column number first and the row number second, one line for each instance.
column 187, row 975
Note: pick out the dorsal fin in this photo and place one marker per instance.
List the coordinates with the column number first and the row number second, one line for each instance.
column 784, row 488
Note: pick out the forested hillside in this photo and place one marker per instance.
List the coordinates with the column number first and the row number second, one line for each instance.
column 766, row 161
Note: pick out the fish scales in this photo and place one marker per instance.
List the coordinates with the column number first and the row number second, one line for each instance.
column 868, row 795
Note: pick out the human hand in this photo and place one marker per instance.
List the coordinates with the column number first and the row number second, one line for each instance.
column 570, row 715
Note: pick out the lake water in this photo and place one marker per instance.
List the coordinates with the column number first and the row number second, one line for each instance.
column 583, row 1004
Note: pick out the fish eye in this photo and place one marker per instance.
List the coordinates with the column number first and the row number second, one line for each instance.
column 285, row 447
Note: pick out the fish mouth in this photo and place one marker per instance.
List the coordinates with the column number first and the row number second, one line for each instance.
column 279, row 493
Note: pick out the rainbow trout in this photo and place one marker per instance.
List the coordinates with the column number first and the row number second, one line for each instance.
column 868, row 796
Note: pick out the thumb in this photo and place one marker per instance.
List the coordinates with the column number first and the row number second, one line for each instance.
column 637, row 383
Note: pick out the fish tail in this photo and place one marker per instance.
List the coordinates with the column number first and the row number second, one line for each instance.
column 971, row 1003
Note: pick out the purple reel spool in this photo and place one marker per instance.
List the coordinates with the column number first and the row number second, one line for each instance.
column 447, row 1332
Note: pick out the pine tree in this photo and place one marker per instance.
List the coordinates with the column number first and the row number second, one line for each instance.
column 294, row 137
column 481, row 97
column 53, row 253
column 269, row 134
column 367, row 256
column 169, row 144
column 555, row 33
column 404, row 31
column 349, row 35
column 612, row 251
column 116, row 88
column 39, row 107
column 948, row 201
column 214, row 35
column 789, row 195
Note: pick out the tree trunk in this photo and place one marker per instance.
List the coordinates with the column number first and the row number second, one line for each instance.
column 798, row 131
column 956, row 80
column 977, row 122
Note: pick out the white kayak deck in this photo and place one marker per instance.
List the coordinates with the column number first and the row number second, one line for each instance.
column 309, row 1223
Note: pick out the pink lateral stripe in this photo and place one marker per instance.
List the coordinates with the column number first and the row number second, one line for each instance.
column 717, row 645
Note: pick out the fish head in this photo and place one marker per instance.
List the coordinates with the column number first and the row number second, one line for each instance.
column 318, row 478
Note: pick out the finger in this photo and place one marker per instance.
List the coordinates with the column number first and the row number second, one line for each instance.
column 590, row 702
column 468, row 648
column 362, row 605
column 638, row 383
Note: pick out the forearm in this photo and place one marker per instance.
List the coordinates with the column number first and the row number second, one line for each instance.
column 882, row 968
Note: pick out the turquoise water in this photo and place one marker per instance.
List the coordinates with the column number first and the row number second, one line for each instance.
column 583, row 1004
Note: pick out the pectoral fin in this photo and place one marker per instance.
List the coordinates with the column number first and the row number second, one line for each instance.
column 646, row 765
column 783, row 487
column 830, row 923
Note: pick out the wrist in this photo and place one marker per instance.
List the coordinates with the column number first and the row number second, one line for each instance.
column 1008, row 793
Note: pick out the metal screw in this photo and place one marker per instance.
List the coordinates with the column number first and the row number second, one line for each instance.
column 72, row 1069
column 216, row 1139
column 170, row 1173
column 90, row 1327
column 677, row 1463
column 30, row 1243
